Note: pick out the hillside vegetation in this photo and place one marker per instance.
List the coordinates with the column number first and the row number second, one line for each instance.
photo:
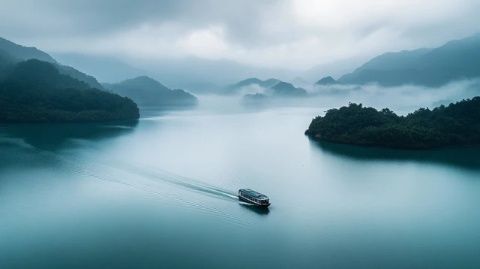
column 453, row 125
column 35, row 91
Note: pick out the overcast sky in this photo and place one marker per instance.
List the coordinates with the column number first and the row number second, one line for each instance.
column 292, row 34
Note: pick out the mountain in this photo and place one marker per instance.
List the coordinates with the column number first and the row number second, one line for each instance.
column 300, row 82
column 18, row 53
column 326, row 81
column 104, row 68
column 35, row 91
column 148, row 92
column 198, row 75
column 260, row 90
column 253, row 82
column 286, row 89
column 6, row 63
column 456, row 60
column 74, row 73
column 336, row 68
column 22, row 53
column 246, row 82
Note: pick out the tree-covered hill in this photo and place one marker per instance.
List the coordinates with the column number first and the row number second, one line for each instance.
column 35, row 91
column 453, row 125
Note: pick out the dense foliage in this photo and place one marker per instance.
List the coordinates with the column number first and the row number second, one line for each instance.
column 452, row 125
column 35, row 91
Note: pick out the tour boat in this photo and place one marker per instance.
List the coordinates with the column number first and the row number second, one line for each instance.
column 253, row 197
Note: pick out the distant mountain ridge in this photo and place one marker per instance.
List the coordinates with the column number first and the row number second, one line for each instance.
column 254, row 81
column 22, row 53
column 326, row 81
column 455, row 60
column 146, row 91
column 272, row 86
column 18, row 53
column 287, row 89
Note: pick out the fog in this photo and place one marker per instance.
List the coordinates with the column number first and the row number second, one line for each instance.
column 197, row 44
column 402, row 100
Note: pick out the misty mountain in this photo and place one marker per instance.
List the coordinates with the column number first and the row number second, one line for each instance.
column 22, row 53
column 264, row 88
column 17, row 53
column 326, row 81
column 269, row 87
column 35, row 91
column 74, row 73
column 253, row 82
column 337, row 68
column 300, row 82
column 205, row 75
column 198, row 75
column 285, row 89
column 104, row 68
column 148, row 92
column 456, row 60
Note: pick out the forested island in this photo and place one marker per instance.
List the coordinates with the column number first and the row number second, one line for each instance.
column 457, row 124
column 36, row 91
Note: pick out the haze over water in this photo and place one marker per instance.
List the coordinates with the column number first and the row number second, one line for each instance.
column 161, row 194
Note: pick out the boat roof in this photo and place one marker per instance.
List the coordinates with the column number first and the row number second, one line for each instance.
column 253, row 193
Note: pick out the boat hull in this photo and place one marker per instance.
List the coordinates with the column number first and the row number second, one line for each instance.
column 246, row 200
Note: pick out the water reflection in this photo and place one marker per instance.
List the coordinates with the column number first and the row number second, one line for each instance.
column 256, row 209
column 465, row 157
column 53, row 137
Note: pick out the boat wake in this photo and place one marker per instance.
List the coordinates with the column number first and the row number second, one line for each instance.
column 185, row 182
column 100, row 170
column 141, row 177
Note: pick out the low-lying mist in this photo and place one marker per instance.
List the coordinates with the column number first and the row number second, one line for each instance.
column 402, row 100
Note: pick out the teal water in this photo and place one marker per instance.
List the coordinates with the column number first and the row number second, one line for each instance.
column 160, row 194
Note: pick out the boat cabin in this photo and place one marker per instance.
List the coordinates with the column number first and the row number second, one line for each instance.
column 253, row 197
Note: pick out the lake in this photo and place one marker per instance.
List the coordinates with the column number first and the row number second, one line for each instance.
column 161, row 194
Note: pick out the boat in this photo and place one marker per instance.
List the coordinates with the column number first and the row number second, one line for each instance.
column 253, row 197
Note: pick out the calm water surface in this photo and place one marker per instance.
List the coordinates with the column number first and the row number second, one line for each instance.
column 160, row 194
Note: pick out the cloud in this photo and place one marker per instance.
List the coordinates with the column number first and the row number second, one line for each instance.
column 291, row 34
column 206, row 43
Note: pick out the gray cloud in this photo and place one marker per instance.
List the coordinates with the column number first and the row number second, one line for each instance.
column 284, row 34
column 30, row 17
